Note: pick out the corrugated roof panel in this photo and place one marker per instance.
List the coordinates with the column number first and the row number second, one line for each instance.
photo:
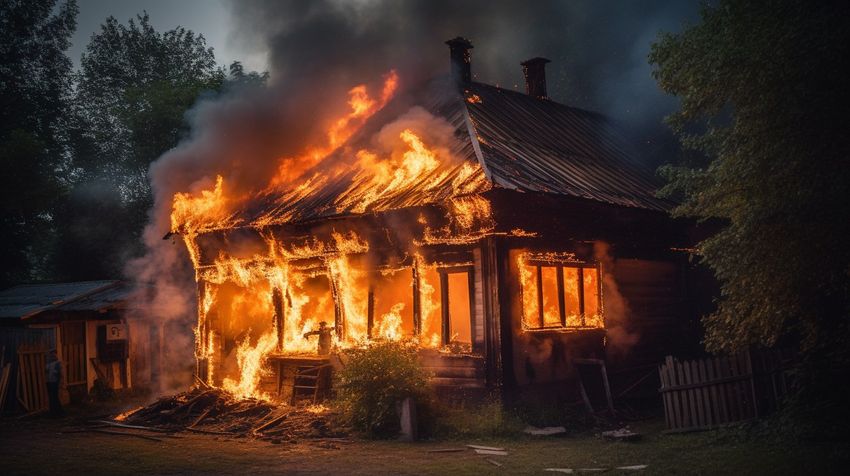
column 27, row 299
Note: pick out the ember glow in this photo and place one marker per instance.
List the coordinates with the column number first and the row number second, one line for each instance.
column 559, row 292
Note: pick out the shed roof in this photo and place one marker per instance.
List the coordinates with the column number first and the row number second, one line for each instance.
column 29, row 299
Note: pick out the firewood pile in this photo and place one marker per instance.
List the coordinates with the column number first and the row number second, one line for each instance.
column 215, row 411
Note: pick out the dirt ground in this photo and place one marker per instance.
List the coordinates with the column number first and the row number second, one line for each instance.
column 46, row 446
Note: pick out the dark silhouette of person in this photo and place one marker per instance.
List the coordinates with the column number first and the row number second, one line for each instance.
column 53, row 377
column 324, row 333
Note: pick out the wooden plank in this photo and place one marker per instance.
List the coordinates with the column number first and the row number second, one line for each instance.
column 706, row 394
column 607, row 389
column 562, row 312
column 581, row 294
column 665, row 396
column 700, row 409
column 671, row 374
column 5, row 375
column 718, row 391
column 741, row 389
column 734, row 403
column 444, row 307
column 687, row 418
column 417, row 303
column 540, row 296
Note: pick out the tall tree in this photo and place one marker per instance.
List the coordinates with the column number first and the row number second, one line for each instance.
column 134, row 88
column 764, row 100
column 35, row 81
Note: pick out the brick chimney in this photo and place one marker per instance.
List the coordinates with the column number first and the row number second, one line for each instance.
column 535, row 77
column 461, row 66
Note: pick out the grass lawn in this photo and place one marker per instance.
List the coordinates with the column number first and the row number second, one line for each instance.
column 44, row 446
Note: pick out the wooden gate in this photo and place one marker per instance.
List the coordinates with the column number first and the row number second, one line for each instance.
column 74, row 361
column 706, row 393
column 74, row 353
column 32, row 389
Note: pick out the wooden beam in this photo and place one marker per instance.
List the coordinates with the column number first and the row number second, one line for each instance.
column 540, row 295
column 279, row 318
column 581, row 294
column 562, row 305
column 370, row 310
column 417, row 305
column 470, row 274
column 339, row 316
column 444, row 307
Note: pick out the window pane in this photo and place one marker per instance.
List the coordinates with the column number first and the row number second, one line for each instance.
column 551, row 314
column 571, row 296
column 459, row 318
column 591, row 297
column 394, row 305
column 429, row 302
column 528, row 282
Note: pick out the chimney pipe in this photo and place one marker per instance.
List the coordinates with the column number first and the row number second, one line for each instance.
column 459, row 52
column 535, row 77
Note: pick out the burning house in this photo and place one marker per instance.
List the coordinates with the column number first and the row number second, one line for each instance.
column 502, row 233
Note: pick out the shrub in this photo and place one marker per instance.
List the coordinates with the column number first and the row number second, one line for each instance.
column 373, row 380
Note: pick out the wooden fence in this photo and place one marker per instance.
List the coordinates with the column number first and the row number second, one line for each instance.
column 706, row 393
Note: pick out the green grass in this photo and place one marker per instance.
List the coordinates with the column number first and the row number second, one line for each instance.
column 41, row 447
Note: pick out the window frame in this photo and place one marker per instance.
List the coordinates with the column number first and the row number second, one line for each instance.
column 445, row 310
column 445, row 316
column 559, row 267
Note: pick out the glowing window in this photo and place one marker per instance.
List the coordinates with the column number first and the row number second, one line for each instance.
column 560, row 295
column 460, row 319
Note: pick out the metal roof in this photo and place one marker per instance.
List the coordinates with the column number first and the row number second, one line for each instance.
column 108, row 298
column 30, row 299
column 518, row 142
column 539, row 145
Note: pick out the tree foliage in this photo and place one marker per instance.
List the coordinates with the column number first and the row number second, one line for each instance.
column 763, row 90
column 76, row 146
column 35, row 81
column 134, row 88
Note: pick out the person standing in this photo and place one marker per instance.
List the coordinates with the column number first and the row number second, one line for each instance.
column 53, row 374
column 325, row 339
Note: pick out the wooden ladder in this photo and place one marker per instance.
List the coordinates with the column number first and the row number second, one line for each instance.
column 309, row 380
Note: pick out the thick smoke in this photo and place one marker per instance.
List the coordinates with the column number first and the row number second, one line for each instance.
column 598, row 48
column 319, row 49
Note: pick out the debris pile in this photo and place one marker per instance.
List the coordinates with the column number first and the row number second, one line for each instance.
column 215, row 411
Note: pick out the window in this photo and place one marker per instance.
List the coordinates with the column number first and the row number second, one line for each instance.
column 446, row 307
column 559, row 294
column 458, row 321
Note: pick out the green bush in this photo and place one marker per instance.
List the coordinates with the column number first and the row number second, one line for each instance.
column 373, row 380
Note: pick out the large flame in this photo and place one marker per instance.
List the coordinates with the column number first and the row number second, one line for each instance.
column 258, row 301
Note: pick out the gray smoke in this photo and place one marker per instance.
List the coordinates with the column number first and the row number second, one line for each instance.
column 598, row 48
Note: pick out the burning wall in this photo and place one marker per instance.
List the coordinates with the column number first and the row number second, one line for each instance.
column 261, row 296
